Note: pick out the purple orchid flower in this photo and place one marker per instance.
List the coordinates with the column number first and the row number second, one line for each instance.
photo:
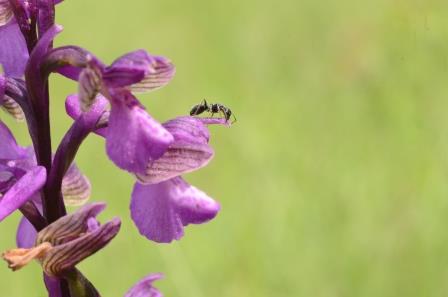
column 40, row 182
column 79, row 231
column 134, row 72
column 19, row 174
column 55, row 244
column 19, row 182
column 162, row 202
column 16, row 33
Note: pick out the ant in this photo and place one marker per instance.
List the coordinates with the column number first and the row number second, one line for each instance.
column 212, row 108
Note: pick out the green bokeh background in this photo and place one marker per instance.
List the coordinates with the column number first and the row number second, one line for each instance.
column 333, row 182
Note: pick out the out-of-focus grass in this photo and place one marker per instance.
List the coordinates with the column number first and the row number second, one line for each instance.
column 334, row 180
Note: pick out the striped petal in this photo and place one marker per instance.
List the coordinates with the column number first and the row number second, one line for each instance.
column 66, row 242
column 6, row 12
column 160, row 73
column 139, row 71
column 12, row 108
column 67, row 255
column 88, row 87
column 127, row 69
column 76, row 188
column 70, row 226
column 188, row 152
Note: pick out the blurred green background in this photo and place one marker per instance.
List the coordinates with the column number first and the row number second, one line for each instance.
column 333, row 182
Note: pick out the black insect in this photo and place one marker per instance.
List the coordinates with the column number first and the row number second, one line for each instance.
column 212, row 108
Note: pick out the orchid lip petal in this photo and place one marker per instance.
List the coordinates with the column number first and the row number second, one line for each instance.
column 160, row 211
column 22, row 191
column 133, row 138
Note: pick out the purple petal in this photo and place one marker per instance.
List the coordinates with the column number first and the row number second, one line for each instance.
column 13, row 50
column 127, row 69
column 92, row 224
column 26, row 234
column 133, row 138
column 144, row 287
column 215, row 121
column 161, row 210
column 22, row 191
column 7, row 179
column 100, row 107
column 160, row 73
column 9, row 149
column 67, row 60
column 189, row 129
column 188, row 152
column 140, row 71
